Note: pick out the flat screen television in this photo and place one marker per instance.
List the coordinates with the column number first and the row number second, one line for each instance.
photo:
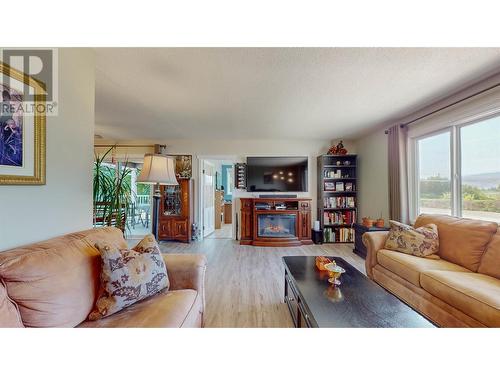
column 277, row 174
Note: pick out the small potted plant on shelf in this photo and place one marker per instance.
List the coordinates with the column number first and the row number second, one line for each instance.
column 367, row 222
column 379, row 223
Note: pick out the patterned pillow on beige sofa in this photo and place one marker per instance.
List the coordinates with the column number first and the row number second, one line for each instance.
column 128, row 276
column 421, row 242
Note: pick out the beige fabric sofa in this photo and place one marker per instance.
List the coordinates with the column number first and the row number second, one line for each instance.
column 462, row 289
column 55, row 283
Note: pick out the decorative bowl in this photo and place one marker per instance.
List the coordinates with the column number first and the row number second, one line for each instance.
column 335, row 273
column 322, row 261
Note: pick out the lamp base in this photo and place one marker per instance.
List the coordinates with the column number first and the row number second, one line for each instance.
column 156, row 211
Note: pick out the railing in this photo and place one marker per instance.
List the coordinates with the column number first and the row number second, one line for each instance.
column 142, row 200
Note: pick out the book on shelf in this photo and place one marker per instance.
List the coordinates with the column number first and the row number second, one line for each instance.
column 339, row 202
column 338, row 235
column 339, row 218
column 349, row 186
column 339, row 186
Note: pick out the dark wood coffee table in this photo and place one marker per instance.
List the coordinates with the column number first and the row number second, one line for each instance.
column 358, row 302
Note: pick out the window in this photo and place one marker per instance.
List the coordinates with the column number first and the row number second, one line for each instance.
column 480, row 170
column 457, row 171
column 434, row 174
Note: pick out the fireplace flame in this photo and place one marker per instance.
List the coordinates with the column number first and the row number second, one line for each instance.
column 275, row 228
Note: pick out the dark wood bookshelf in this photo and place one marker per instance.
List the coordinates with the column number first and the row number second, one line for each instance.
column 337, row 169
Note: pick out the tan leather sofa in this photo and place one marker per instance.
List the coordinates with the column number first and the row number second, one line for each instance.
column 462, row 289
column 54, row 284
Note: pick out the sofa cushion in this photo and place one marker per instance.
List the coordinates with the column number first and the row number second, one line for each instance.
column 490, row 262
column 474, row 294
column 168, row 309
column 461, row 241
column 9, row 316
column 54, row 283
column 128, row 276
column 421, row 242
column 409, row 267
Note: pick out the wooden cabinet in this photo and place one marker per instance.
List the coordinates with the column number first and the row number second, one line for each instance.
column 165, row 229
column 179, row 229
column 246, row 221
column 176, row 212
column 304, row 225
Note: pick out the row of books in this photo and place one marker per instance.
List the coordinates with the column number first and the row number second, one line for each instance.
column 339, row 202
column 338, row 235
column 339, row 186
column 345, row 217
column 329, row 173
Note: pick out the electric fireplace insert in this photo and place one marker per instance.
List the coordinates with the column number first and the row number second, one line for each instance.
column 276, row 225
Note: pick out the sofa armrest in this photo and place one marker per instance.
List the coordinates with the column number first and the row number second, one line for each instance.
column 186, row 271
column 374, row 241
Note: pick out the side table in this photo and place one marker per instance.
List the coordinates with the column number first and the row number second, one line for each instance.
column 359, row 230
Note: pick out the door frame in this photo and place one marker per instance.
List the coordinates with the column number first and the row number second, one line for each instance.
column 206, row 163
column 199, row 185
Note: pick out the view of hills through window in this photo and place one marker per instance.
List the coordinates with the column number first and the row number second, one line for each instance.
column 479, row 171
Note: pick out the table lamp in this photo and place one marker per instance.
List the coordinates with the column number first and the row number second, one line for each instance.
column 159, row 170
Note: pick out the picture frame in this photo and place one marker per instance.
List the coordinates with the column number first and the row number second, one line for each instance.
column 22, row 135
column 184, row 166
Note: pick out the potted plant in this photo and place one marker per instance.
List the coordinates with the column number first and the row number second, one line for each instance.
column 112, row 193
column 367, row 222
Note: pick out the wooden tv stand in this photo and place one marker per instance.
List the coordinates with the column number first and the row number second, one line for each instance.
column 295, row 216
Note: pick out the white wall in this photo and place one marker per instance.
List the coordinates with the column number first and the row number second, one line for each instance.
column 64, row 204
column 238, row 150
column 373, row 178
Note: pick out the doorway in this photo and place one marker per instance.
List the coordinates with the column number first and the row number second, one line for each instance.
column 217, row 197
column 208, row 198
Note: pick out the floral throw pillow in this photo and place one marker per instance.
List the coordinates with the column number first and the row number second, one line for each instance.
column 421, row 242
column 128, row 276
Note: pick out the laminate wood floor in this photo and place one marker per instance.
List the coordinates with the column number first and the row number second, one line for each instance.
column 226, row 232
column 244, row 284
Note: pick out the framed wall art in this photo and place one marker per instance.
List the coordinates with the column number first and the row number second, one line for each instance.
column 22, row 129
column 183, row 166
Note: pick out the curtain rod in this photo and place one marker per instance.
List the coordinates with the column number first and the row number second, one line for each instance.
column 125, row 146
column 402, row 125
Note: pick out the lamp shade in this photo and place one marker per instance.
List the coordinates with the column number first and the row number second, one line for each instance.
column 158, row 169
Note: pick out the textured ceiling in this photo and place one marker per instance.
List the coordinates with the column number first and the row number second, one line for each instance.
column 293, row 93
